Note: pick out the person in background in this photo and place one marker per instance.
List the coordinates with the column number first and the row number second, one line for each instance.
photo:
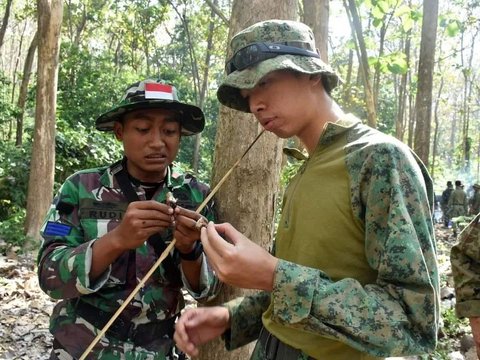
column 444, row 203
column 465, row 260
column 107, row 227
column 457, row 204
column 475, row 200
column 353, row 274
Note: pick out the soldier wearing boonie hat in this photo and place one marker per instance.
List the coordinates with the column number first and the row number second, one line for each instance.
column 153, row 94
column 292, row 47
column 108, row 226
column 353, row 274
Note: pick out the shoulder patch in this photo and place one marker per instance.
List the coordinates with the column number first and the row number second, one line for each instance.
column 57, row 229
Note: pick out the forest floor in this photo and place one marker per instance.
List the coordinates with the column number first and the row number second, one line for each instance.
column 25, row 309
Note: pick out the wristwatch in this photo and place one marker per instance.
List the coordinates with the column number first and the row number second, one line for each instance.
column 194, row 254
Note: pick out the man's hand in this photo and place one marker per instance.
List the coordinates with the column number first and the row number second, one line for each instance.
column 141, row 220
column 238, row 261
column 187, row 231
column 199, row 326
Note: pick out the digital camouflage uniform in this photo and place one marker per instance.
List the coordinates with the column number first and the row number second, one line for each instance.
column 357, row 276
column 465, row 259
column 88, row 205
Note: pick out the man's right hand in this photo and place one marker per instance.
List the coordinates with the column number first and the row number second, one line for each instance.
column 141, row 220
column 199, row 326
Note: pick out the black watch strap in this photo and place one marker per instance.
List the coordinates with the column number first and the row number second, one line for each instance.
column 194, row 254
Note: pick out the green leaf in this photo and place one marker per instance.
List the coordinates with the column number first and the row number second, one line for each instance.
column 453, row 28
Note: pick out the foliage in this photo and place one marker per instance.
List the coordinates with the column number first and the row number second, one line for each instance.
column 11, row 229
column 14, row 171
column 78, row 148
column 453, row 329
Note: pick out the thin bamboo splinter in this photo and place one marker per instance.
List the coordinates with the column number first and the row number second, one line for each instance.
column 162, row 256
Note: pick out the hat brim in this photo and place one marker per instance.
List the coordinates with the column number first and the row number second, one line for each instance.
column 229, row 91
column 192, row 119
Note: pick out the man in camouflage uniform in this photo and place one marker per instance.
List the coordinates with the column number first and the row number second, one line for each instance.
column 457, row 202
column 465, row 259
column 444, row 202
column 353, row 274
column 108, row 226
column 475, row 200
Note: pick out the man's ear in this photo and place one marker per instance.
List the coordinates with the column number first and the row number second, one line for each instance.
column 118, row 130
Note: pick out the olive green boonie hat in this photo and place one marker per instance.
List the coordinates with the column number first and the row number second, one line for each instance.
column 268, row 46
column 153, row 94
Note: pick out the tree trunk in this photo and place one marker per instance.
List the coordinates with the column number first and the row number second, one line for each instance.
column 40, row 184
column 356, row 24
column 436, row 130
column 203, row 88
column 423, row 102
column 22, row 96
column 247, row 200
column 402, row 96
column 6, row 16
column 315, row 15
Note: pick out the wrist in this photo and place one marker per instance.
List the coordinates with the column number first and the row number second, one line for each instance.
column 194, row 252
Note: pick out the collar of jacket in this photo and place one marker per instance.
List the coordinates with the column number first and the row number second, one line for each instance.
column 173, row 179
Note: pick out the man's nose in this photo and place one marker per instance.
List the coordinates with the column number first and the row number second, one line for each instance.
column 157, row 139
column 256, row 104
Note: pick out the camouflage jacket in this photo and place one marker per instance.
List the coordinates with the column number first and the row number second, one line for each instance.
column 458, row 203
column 357, row 276
column 475, row 203
column 465, row 259
column 88, row 205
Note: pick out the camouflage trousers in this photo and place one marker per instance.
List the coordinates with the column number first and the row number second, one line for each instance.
column 115, row 353
column 269, row 347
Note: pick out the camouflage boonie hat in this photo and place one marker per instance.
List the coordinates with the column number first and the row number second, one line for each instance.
column 285, row 32
column 153, row 94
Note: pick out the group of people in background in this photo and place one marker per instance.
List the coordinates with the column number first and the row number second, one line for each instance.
column 456, row 202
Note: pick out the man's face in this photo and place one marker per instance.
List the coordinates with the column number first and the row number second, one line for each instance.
column 150, row 138
column 283, row 103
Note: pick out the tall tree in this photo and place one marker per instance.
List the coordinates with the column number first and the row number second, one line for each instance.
column 315, row 15
column 6, row 16
column 361, row 47
column 22, row 96
column 247, row 199
column 40, row 184
column 203, row 87
column 423, row 101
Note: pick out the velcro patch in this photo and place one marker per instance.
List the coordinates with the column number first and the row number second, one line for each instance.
column 57, row 229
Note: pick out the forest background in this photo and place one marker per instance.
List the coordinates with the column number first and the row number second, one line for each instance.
column 409, row 68
column 106, row 45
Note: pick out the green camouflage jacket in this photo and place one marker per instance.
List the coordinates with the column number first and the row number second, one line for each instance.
column 357, row 276
column 465, row 259
column 458, row 203
column 88, row 205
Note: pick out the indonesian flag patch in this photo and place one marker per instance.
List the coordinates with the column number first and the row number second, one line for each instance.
column 158, row 91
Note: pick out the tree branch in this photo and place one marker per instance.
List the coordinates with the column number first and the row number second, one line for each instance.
column 217, row 11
